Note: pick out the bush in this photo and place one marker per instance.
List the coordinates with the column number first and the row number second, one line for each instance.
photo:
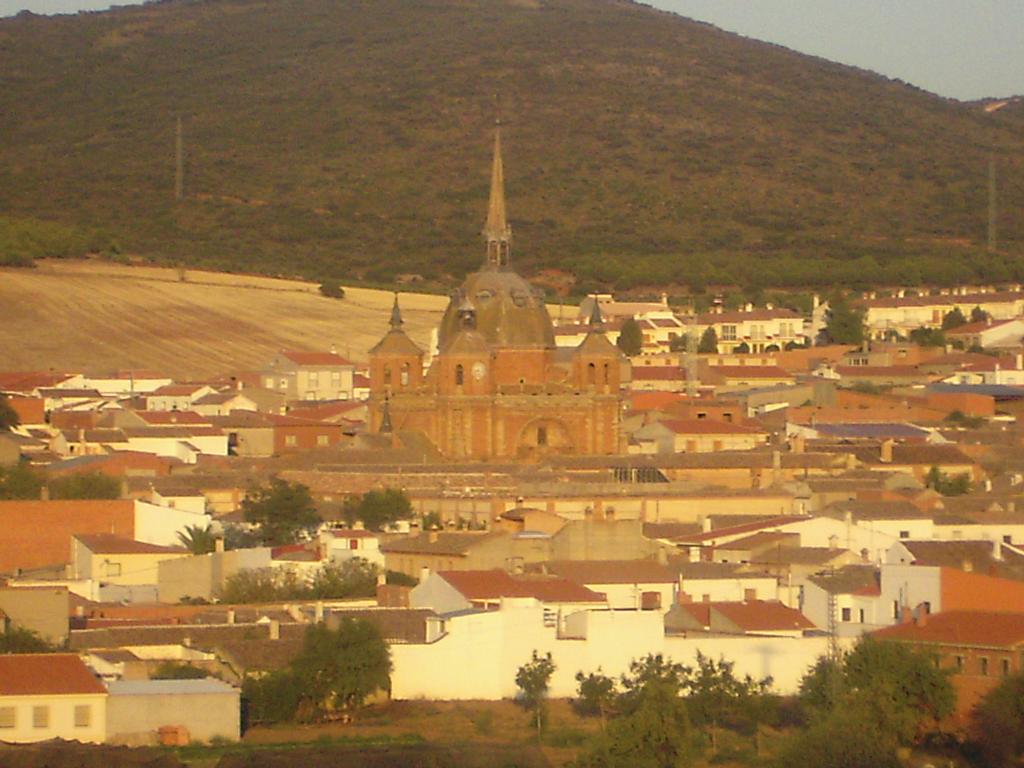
column 332, row 289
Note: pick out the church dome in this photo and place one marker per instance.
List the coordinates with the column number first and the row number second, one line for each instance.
column 508, row 311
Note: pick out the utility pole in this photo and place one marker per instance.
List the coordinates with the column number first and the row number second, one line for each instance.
column 992, row 234
column 179, row 163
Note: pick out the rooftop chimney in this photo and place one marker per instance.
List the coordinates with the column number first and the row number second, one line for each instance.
column 886, row 451
column 218, row 544
column 231, row 616
column 275, row 630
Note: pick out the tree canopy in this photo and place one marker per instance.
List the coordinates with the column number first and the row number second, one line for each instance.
column 533, row 679
column 953, row 319
column 20, row 481
column 8, row 416
column 708, row 342
column 282, row 510
column 631, row 338
column 85, row 485
column 844, row 324
column 377, row 508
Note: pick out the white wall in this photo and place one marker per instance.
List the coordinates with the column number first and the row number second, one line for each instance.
column 61, row 718
column 488, row 647
column 155, row 524
column 731, row 589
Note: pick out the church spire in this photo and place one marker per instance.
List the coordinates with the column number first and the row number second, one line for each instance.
column 497, row 232
column 396, row 315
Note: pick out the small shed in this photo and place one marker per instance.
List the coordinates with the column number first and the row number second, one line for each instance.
column 144, row 711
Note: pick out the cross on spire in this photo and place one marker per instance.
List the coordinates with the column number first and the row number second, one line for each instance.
column 497, row 232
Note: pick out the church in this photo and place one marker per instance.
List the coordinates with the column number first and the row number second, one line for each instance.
column 498, row 388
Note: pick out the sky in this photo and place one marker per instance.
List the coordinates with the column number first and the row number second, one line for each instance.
column 963, row 49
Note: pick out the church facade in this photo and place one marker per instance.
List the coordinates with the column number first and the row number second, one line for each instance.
column 498, row 387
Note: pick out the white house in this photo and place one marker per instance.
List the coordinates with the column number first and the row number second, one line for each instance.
column 50, row 696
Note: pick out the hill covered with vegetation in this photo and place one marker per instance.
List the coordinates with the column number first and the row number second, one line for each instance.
column 352, row 139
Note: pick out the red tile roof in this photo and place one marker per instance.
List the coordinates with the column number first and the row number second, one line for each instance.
column 984, row 628
column 109, row 544
column 653, row 401
column 612, row 571
column 752, row 615
column 315, row 358
column 708, row 427
column 495, row 584
column 751, row 371
column 38, row 533
column 658, row 373
column 156, row 418
column 177, row 390
column 53, row 674
column 984, row 325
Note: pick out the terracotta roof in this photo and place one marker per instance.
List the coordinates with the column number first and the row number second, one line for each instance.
column 109, row 544
column 733, row 530
column 849, row 580
column 797, row 556
column 658, row 373
column 176, row 390
column 37, row 533
column 155, row 418
column 27, row 381
column 945, row 300
column 708, row 427
column 495, row 584
column 611, row 571
column 653, row 401
column 752, row 615
column 982, row 628
column 890, row 371
column 46, row 674
column 984, row 325
column 750, row 371
column 443, row 543
column 877, row 510
column 315, row 358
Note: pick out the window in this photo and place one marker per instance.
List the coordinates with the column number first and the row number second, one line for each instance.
column 591, row 373
column 861, row 616
column 269, row 383
column 323, row 440
column 41, row 717
column 749, row 594
column 404, row 376
column 607, row 379
column 284, row 383
column 728, row 333
column 1008, row 539
column 336, row 377
column 1005, row 664
column 542, row 435
column 983, row 666
column 904, row 534
column 959, row 663
column 113, row 569
column 847, row 614
column 314, row 379
column 291, row 441
column 7, row 718
column 387, row 375
column 353, row 543
column 895, row 609
column 83, row 716
column 459, row 375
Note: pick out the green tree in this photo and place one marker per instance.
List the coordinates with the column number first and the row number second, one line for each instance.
column 198, row 541
column 340, row 667
column 20, row 481
column 282, row 510
column 844, row 324
column 928, row 337
column 979, row 315
column 8, row 416
column 955, row 485
column 742, row 348
column 953, row 319
column 631, row 338
column 377, row 508
column 355, row 577
column 595, row 695
column 997, row 723
column 714, row 693
column 174, row 670
column 708, row 342
column 534, row 679
column 85, row 485
column 273, row 698
column 17, row 639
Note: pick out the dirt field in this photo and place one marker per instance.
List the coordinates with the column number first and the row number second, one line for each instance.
column 99, row 317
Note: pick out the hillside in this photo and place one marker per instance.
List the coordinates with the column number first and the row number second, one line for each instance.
column 352, row 138
column 98, row 318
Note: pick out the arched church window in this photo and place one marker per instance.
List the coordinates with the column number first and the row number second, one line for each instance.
column 404, row 378
column 591, row 373
column 387, row 375
column 606, row 373
column 459, row 375
column 542, row 435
